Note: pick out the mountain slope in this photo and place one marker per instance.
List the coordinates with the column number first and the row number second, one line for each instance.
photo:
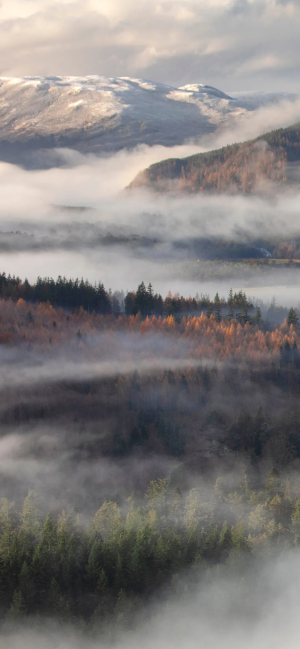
column 100, row 115
column 243, row 167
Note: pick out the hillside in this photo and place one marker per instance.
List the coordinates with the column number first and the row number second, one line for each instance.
column 101, row 115
column 238, row 168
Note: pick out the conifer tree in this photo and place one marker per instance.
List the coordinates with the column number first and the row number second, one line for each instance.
column 230, row 303
column 217, row 308
column 17, row 608
column 292, row 318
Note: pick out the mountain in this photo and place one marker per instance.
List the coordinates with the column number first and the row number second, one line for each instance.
column 101, row 115
column 238, row 168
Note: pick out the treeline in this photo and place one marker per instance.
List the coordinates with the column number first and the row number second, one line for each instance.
column 145, row 302
column 72, row 294
column 65, row 293
column 104, row 574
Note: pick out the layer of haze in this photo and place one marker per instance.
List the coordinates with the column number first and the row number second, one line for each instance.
column 66, row 209
column 232, row 44
column 239, row 44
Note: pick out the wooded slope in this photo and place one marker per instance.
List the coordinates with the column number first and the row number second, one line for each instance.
column 238, row 168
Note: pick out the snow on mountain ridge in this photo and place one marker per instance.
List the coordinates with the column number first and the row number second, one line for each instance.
column 102, row 114
column 209, row 90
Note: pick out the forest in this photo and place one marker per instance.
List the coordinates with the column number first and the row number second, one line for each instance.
column 238, row 168
column 144, row 448
column 106, row 575
column 72, row 294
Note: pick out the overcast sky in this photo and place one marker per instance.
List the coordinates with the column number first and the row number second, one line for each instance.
column 232, row 44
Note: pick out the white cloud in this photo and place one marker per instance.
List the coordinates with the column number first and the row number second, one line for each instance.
column 232, row 43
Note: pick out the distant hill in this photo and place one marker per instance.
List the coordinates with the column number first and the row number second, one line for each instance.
column 101, row 115
column 238, row 168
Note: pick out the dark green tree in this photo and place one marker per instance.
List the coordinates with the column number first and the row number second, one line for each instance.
column 217, row 308
column 292, row 318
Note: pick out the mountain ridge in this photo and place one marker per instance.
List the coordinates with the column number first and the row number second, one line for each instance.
column 102, row 115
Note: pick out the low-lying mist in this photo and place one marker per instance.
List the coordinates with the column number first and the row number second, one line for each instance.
column 79, row 220
column 151, row 464
column 149, row 475
column 94, row 407
column 138, row 236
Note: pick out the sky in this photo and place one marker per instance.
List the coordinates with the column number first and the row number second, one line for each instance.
column 232, row 44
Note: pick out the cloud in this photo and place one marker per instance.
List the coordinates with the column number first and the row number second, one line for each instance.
column 58, row 237
column 219, row 42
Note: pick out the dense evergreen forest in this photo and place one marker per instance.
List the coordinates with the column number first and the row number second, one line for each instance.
column 106, row 574
column 235, row 168
column 175, row 420
column 72, row 294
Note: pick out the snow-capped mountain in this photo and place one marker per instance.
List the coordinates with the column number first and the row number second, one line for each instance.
column 99, row 114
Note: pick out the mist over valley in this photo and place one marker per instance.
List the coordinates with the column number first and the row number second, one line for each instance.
column 149, row 324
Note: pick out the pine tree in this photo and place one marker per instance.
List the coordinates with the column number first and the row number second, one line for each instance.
column 217, row 308
column 212, row 545
column 124, row 610
column 45, row 558
column 18, row 608
column 104, row 600
column 192, row 509
column 273, row 484
column 30, row 524
column 6, row 528
column 296, row 514
column 142, row 299
column 210, row 309
column 230, row 303
column 244, row 484
column 219, row 490
column 238, row 536
column 292, row 318
column 258, row 518
column 225, row 537
column 150, row 307
column 258, row 316
column 58, row 605
column 27, row 586
column 107, row 519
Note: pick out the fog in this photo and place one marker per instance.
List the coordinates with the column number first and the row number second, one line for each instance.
column 108, row 355
column 224, row 613
column 60, row 404
column 88, row 417
column 182, row 436
column 79, row 220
